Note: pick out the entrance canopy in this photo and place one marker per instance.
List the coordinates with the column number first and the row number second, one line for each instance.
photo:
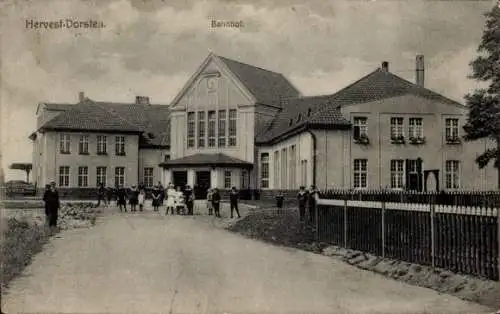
column 213, row 160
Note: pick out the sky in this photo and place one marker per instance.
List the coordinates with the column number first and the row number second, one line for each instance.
column 151, row 48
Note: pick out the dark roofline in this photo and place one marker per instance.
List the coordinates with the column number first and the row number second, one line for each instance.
column 217, row 164
column 76, row 130
column 303, row 128
column 153, row 146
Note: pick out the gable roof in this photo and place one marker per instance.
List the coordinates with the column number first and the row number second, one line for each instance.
column 266, row 86
column 89, row 116
column 325, row 111
column 152, row 121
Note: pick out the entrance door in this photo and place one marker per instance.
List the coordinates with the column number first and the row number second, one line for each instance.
column 179, row 178
column 414, row 176
column 202, row 184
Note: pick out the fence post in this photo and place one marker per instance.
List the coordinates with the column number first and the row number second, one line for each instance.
column 383, row 229
column 433, row 232
column 345, row 223
column 498, row 240
column 316, row 215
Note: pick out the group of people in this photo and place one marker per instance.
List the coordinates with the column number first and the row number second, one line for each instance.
column 178, row 201
column 175, row 199
column 307, row 198
column 213, row 202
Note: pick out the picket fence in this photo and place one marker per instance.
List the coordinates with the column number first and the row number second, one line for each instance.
column 459, row 238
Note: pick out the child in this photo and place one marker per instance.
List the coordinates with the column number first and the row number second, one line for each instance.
column 156, row 199
column 122, row 199
column 216, row 202
column 180, row 203
column 141, row 197
column 209, row 202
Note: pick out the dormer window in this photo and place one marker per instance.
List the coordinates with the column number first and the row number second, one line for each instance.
column 309, row 112
column 290, row 122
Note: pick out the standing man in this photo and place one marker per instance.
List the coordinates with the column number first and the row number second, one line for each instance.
column 313, row 192
column 162, row 193
column 189, row 198
column 52, row 204
column 302, row 198
column 101, row 191
column 233, row 199
column 47, row 188
column 216, row 202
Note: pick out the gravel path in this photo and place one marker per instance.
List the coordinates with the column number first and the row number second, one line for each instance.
column 148, row 263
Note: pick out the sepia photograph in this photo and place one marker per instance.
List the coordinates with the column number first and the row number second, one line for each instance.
column 250, row 156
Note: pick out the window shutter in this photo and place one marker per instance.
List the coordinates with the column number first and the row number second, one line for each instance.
column 420, row 175
column 356, row 131
column 407, row 174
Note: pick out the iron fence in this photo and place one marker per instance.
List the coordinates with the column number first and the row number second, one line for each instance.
column 465, row 198
column 462, row 239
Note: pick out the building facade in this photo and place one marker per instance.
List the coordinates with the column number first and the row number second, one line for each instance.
column 81, row 145
column 235, row 124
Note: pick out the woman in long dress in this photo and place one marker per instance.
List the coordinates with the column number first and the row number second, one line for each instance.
column 171, row 196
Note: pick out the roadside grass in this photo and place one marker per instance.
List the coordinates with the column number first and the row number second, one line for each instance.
column 24, row 232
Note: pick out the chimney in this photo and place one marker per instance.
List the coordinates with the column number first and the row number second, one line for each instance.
column 420, row 70
column 81, row 96
column 385, row 66
column 142, row 100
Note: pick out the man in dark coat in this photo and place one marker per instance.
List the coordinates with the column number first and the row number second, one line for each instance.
column 313, row 192
column 302, row 198
column 47, row 188
column 101, row 191
column 189, row 198
column 216, row 202
column 52, row 204
column 233, row 200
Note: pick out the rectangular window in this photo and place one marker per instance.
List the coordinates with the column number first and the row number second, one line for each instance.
column 101, row 176
column 64, row 143
column 102, row 142
column 64, row 176
column 397, row 174
column 415, row 129
column 451, row 129
column 222, row 128
column 244, row 179
column 227, row 179
column 148, row 177
column 232, row 127
column 360, row 127
column 190, row 129
column 201, row 128
column 83, row 176
column 120, row 146
column 284, row 168
column 360, row 173
column 119, row 177
column 211, row 128
column 397, row 130
column 83, row 145
column 452, row 173
column 264, row 170
column 277, row 168
column 292, row 169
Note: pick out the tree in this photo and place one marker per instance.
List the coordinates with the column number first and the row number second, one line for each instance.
column 23, row 166
column 483, row 121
